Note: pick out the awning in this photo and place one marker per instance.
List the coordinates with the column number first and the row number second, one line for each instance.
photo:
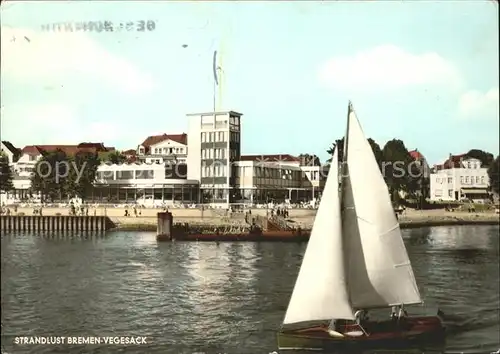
column 474, row 191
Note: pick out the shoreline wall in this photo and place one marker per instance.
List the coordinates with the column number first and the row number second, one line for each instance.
column 41, row 223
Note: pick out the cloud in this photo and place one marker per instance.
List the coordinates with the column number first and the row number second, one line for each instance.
column 479, row 105
column 55, row 123
column 388, row 67
column 39, row 124
column 30, row 56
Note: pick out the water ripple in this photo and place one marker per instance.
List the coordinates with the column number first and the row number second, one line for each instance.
column 209, row 298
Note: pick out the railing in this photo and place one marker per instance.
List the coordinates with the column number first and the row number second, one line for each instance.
column 280, row 222
column 260, row 221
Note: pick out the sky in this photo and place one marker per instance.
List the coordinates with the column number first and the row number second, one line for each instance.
column 425, row 72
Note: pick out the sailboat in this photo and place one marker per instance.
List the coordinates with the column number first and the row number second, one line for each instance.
column 355, row 261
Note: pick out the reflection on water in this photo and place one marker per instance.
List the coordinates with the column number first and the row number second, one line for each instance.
column 218, row 298
column 461, row 238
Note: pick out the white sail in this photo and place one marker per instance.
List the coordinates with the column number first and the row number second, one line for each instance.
column 320, row 290
column 379, row 272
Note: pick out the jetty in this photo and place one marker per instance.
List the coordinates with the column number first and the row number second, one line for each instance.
column 260, row 229
column 38, row 223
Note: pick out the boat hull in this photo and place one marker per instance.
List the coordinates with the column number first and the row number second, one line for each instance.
column 417, row 332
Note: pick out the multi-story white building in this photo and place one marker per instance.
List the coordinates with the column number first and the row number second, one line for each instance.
column 214, row 146
column 260, row 178
column 163, row 148
column 460, row 177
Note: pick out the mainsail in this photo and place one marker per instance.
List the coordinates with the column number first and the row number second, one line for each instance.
column 379, row 271
column 320, row 290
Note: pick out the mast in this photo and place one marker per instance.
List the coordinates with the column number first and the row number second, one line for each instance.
column 346, row 136
column 344, row 177
column 343, row 174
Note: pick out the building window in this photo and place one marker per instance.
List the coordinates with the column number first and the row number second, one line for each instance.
column 144, row 174
column 208, row 171
column 124, row 174
column 482, row 179
column 438, row 192
column 467, row 180
column 462, row 179
column 450, row 180
column 477, row 179
column 203, row 137
column 450, row 193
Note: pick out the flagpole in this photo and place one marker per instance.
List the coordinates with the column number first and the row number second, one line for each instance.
column 215, row 123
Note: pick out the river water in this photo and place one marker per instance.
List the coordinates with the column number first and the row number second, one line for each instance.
column 208, row 298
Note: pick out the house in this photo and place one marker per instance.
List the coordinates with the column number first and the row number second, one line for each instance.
column 421, row 162
column 10, row 151
column 459, row 177
column 130, row 155
column 30, row 154
column 424, row 172
column 162, row 148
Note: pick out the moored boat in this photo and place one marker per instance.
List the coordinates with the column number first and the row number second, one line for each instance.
column 356, row 261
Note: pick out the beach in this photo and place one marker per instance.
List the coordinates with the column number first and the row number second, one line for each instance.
column 303, row 218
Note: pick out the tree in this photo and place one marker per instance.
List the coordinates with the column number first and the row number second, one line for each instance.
column 309, row 160
column 50, row 175
column 400, row 173
column 82, row 174
column 494, row 175
column 5, row 174
column 114, row 157
column 340, row 144
column 485, row 157
column 379, row 155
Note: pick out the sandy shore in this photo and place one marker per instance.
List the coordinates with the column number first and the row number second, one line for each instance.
column 420, row 218
column 303, row 218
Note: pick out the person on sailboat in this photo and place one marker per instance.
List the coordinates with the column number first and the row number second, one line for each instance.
column 398, row 311
column 361, row 317
column 394, row 313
